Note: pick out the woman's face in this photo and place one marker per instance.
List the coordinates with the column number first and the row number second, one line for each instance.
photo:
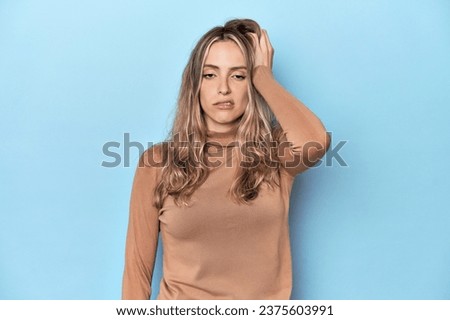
column 223, row 90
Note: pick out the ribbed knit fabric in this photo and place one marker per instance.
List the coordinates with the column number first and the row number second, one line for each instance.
column 216, row 248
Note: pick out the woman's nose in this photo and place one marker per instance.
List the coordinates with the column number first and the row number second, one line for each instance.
column 224, row 88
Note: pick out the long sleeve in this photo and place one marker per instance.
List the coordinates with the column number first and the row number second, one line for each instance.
column 306, row 133
column 143, row 231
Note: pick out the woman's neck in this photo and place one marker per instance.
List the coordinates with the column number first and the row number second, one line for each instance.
column 223, row 136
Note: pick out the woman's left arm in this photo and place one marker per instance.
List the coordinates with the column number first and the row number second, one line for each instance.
column 304, row 131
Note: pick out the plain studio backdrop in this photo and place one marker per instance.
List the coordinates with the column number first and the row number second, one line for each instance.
column 82, row 80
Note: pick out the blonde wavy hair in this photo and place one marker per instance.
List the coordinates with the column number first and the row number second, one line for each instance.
column 182, row 173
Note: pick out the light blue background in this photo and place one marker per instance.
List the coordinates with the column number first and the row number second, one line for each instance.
column 77, row 74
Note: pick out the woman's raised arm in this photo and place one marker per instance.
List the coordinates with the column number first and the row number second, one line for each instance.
column 303, row 128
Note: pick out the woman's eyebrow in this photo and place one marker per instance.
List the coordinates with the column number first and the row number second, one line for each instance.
column 216, row 67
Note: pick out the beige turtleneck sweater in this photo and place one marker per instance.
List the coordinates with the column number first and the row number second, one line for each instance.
column 217, row 249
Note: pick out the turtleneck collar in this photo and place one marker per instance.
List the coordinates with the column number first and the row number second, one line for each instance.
column 222, row 137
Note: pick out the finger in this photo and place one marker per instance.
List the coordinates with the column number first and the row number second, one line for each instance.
column 268, row 44
column 266, row 36
column 265, row 44
column 270, row 48
column 262, row 42
column 256, row 42
column 263, row 39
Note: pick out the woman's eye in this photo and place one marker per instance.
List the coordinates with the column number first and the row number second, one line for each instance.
column 239, row 77
column 208, row 75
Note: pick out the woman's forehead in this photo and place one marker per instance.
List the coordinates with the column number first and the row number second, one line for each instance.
column 225, row 53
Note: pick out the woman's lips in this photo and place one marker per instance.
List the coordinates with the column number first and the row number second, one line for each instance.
column 224, row 105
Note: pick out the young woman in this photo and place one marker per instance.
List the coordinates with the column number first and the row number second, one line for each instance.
column 218, row 188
